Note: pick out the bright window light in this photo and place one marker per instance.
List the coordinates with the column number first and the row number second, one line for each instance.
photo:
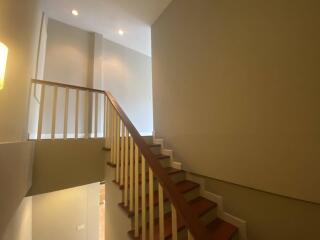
column 3, row 63
column 75, row 12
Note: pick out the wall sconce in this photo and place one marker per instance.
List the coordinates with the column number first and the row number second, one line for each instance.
column 3, row 63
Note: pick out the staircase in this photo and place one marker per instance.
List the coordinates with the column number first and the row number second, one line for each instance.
column 203, row 209
column 158, row 196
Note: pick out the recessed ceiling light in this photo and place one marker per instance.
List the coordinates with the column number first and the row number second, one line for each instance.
column 120, row 32
column 75, row 12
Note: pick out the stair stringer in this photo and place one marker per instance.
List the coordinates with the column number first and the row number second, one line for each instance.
column 221, row 213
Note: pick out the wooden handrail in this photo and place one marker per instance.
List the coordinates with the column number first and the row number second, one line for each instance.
column 197, row 229
column 63, row 85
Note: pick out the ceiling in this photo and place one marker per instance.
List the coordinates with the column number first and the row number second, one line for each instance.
column 108, row 16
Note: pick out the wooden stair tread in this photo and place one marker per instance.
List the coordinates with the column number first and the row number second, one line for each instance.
column 221, row 230
column 167, row 228
column 183, row 187
column 186, row 186
column 201, row 205
column 169, row 171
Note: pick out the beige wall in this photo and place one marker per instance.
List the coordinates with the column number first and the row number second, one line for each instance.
column 16, row 161
column 20, row 226
column 21, row 36
column 69, row 60
column 127, row 75
column 20, row 25
column 236, row 91
column 71, row 214
column 268, row 216
column 61, row 164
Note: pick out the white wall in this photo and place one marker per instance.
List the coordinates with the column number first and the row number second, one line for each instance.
column 127, row 75
column 77, row 57
column 71, row 214
column 69, row 54
column 70, row 60
column 21, row 37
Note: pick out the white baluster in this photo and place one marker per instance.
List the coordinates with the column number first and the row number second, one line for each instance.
column 190, row 236
column 66, row 112
column 126, row 162
column 118, row 150
column 151, row 206
column 54, row 112
column 143, row 195
column 174, row 223
column 43, row 92
column 161, row 213
column 122, row 155
column 136, row 193
column 131, row 173
column 96, row 103
column 105, row 112
column 76, row 130
column 86, row 115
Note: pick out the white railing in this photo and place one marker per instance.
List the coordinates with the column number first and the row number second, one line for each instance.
column 61, row 111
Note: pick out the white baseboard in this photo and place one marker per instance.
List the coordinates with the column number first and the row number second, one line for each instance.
column 239, row 223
